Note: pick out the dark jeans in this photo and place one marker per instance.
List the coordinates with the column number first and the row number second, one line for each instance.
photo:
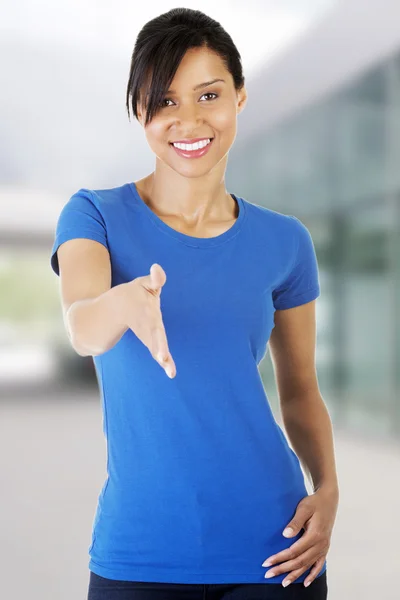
column 101, row 588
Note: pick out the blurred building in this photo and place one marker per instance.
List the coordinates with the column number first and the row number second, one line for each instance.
column 320, row 139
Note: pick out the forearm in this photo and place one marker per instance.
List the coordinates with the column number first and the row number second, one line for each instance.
column 95, row 324
column 309, row 429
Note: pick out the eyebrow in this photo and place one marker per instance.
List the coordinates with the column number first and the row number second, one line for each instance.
column 201, row 85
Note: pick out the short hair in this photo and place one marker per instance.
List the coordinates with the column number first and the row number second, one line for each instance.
column 159, row 48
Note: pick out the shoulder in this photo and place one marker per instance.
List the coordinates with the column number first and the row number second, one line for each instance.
column 88, row 200
column 276, row 225
column 83, row 200
column 267, row 214
column 107, row 196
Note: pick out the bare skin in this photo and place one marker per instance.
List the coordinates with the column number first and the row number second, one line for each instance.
column 181, row 222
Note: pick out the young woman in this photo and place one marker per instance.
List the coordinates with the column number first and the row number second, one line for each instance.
column 175, row 287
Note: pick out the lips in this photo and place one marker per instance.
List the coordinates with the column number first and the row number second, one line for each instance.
column 193, row 153
column 192, row 141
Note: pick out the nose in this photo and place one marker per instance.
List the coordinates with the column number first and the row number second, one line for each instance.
column 188, row 114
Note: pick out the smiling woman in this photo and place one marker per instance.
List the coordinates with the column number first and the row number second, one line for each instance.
column 174, row 271
column 202, row 106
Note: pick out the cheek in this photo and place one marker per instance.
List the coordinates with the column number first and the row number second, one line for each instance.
column 155, row 135
column 224, row 120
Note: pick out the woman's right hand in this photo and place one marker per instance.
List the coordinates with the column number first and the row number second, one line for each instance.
column 142, row 314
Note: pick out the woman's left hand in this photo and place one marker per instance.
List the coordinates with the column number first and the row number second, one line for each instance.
column 315, row 513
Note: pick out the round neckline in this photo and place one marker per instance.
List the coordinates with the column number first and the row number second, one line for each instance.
column 190, row 240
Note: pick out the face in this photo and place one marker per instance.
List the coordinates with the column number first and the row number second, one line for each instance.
column 186, row 113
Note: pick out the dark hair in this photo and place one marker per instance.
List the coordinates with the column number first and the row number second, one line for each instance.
column 160, row 47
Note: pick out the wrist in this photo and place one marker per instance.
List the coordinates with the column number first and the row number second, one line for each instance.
column 118, row 298
column 329, row 487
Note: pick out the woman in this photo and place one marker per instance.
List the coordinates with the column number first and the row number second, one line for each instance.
column 173, row 271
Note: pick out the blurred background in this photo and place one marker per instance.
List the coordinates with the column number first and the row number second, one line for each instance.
column 319, row 139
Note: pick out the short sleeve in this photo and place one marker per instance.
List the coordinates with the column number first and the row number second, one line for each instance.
column 302, row 284
column 79, row 218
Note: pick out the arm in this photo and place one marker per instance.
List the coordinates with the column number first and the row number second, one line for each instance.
column 91, row 308
column 304, row 413
column 309, row 428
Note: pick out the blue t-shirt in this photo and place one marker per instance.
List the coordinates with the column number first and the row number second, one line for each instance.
column 201, row 480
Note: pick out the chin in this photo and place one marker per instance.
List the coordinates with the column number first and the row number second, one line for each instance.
column 188, row 169
column 192, row 172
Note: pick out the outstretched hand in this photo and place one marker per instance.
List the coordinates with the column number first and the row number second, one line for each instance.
column 142, row 314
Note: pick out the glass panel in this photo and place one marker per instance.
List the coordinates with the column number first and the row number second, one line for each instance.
column 368, row 319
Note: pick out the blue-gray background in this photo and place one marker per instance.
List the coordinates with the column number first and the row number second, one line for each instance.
column 319, row 139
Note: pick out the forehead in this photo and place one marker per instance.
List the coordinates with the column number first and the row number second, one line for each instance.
column 198, row 65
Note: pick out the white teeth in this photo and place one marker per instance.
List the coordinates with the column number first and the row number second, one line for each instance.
column 195, row 146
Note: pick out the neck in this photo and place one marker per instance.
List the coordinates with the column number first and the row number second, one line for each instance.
column 194, row 200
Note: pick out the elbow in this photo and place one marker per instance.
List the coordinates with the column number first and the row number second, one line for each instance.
column 80, row 351
column 70, row 327
column 77, row 332
column 83, row 350
column 75, row 345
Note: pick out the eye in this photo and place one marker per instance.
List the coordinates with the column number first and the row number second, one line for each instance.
column 162, row 105
column 210, row 94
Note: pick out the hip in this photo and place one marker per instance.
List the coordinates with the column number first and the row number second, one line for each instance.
column 102, row 588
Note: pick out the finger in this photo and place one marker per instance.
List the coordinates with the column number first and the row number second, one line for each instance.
column 303, row 513
column 303, row 561
column 161, row 350
column 293, row 575
column 155, row 280
column 307, row 540
column 170, row 367
column 168, row 364
column 162, row 353
column 314, row 571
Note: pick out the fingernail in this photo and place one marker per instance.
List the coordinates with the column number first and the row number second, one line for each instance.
column 307, row 584
column 288, row 531
column 267, row 563
column 285, row 583
column 269, row 574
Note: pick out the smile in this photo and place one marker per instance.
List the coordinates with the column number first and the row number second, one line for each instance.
column 195, row 153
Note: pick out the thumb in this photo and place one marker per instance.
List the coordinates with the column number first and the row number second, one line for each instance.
column 294, row 526
column 156, row 279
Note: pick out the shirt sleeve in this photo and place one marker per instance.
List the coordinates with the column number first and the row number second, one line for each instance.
column 79, row 218
column 302, row 284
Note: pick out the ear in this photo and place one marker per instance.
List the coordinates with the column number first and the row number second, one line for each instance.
column 242, row 99
column 140, row 115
